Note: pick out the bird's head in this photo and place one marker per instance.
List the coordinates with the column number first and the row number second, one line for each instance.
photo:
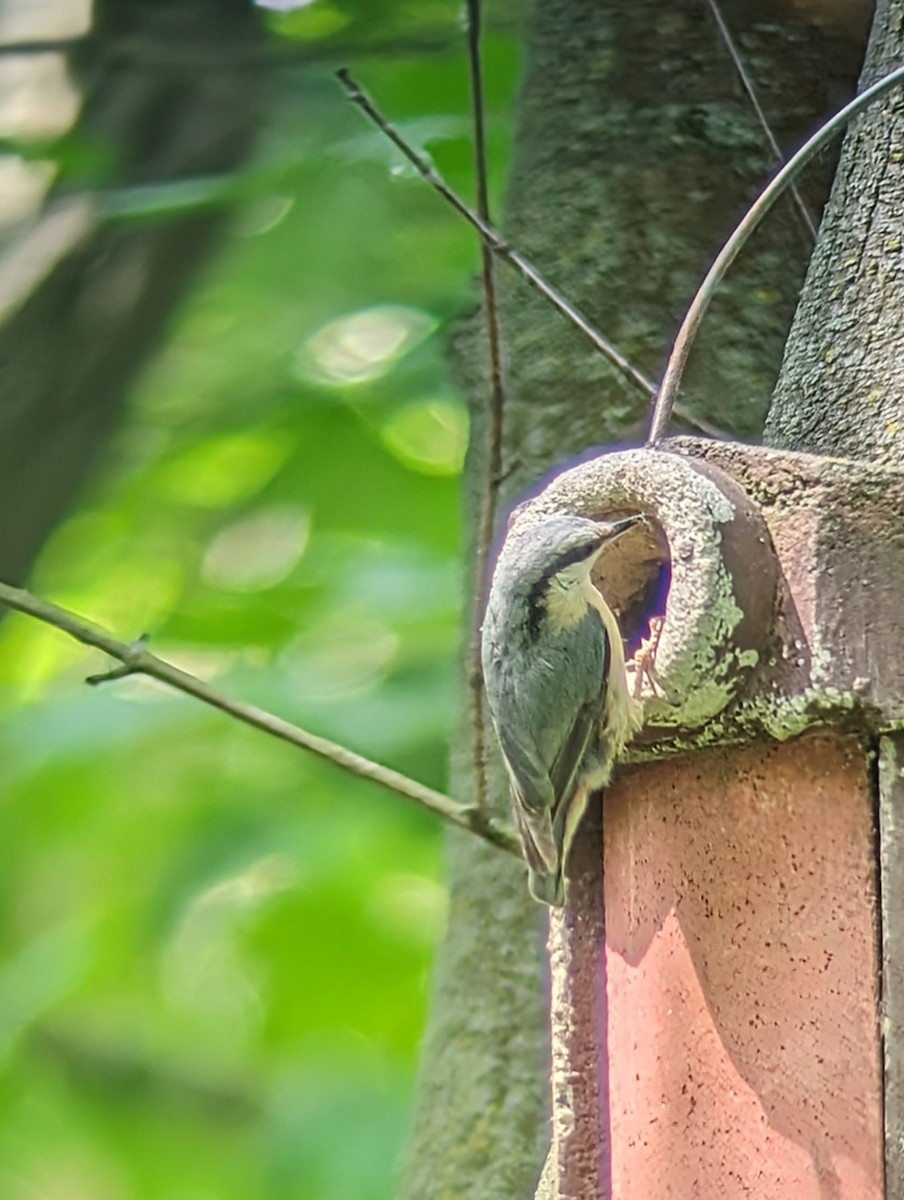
column 562, row 550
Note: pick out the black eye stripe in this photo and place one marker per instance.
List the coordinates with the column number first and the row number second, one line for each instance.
column 536, row 597
column 575, row 555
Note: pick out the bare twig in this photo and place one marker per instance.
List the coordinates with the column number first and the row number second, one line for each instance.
column 497, row 244
column 37, row 46
column 671, row 380
column 136, row 659
column 487, row 514
column 109, row 676
column 747, row 83
column 127, row 1075
column 277, row 51
column 494, row 239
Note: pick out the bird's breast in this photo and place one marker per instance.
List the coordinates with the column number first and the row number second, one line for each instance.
column 565, row 608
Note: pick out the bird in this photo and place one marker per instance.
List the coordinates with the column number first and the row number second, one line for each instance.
column 554, row 674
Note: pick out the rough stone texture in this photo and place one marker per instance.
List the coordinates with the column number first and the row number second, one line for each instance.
column 740, row 887
column 836, row 528
column 743, row 976
column 786, row 571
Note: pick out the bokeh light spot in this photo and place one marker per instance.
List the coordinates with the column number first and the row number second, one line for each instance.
column 429, row 436
column 364, row 345
column 410, row 906
column 258, row 551
column 223, row 470
column 346, row 655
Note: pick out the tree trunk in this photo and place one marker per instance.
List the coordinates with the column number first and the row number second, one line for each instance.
column 635, row 153
column 841, row 389
column 170, row 91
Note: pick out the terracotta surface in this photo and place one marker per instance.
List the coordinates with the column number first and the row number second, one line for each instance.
column 743, row 973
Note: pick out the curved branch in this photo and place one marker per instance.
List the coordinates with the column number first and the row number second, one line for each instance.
column 671, row 379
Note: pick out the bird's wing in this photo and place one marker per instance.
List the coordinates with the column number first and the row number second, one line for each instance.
column 534, row 800
column 566, row 769
column 543, row 791
column 579, row 746
column 528, row 772
column 569, row 767
column 543, row 794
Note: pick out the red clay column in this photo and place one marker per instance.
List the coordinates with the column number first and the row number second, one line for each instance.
column 722, row 970
column 744, row 975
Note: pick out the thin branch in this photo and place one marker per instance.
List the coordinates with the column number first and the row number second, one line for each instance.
column 277, row 51
column 48, row 46
column 747, row 83
column 487, row 516
column 494, row 239
column 139, row 661
column 497, row 244
column 671, row 380
column 128, row 1076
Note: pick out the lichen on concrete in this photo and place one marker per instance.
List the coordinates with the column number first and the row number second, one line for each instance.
column 700, row 660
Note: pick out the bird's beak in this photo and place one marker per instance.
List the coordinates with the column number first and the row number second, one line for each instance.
column 613, row 529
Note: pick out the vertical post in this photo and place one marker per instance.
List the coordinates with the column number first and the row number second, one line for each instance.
column 745, row 846
column 891, row 861
column 743, row 975
column 581, row 1136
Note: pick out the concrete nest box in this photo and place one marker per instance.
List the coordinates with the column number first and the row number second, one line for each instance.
column 702, row 564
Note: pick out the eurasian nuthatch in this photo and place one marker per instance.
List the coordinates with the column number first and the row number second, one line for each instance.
column 554, row 668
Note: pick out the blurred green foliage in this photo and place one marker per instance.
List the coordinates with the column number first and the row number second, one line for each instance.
column 215, row 950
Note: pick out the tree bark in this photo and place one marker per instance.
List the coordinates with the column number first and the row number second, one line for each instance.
column 170, row 91
column 635, row 153
column 841, row 388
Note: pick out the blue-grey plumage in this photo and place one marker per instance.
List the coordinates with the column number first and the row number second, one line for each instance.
column 554, row 670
